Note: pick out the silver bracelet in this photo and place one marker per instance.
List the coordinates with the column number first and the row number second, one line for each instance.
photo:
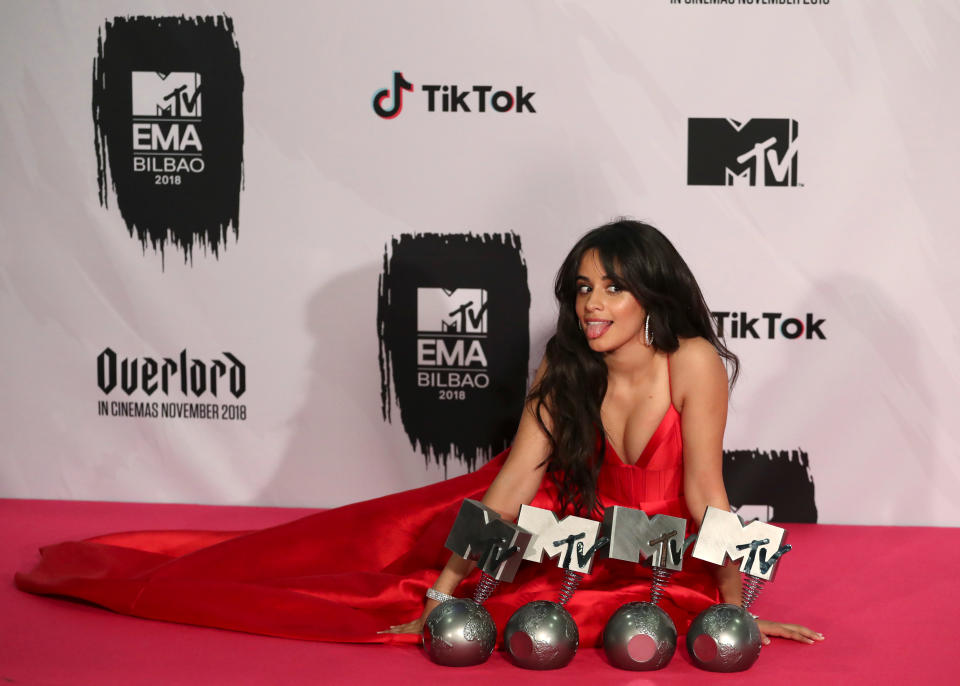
column 434, row 594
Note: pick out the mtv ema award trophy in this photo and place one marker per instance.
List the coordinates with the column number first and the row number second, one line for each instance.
column 542, row 634
column 460, row 632
column 724, row 637
column 640, row 636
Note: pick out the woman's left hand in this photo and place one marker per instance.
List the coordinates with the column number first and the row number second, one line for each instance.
column 791, row 631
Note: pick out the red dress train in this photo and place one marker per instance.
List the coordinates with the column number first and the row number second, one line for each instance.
column 347, row 573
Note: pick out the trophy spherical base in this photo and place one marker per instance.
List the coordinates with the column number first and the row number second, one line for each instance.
column 541, row 635
column 640, row 637
column 724, row 638
column 459, row 633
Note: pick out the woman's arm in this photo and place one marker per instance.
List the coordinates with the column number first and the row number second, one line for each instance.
column 699, row 382
column 515, row 484
column 699, row 385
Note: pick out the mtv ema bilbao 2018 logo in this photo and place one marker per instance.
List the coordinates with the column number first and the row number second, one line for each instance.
column 168, row 116
column 453, row 321
column 755, row 152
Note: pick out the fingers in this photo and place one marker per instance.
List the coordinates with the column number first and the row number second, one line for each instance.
column 413, row 627
column 802, row 634
column 809, row 635
column 795, row 635
column 794, row 632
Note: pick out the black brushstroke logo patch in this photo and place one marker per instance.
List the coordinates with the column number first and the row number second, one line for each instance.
column 453, row 321
column 168, row 118
column 775, row 485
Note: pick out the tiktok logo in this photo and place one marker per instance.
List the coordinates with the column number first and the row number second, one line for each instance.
column 400, row 84
column 457, row 99
column 742, row 325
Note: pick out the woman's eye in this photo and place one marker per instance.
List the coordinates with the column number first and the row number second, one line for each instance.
column 613, row 289
column 583, row 289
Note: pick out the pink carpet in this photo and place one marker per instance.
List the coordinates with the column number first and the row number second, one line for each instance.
column 889, row 614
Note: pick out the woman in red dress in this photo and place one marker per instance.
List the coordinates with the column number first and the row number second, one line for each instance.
column 628, row 408
column 635, row 361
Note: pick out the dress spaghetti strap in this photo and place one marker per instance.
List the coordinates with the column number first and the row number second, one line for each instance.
column 669, row 380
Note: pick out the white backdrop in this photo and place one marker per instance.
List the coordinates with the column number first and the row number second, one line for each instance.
column 867, row 240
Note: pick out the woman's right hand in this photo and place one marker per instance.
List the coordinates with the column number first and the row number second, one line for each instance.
column 414, row 626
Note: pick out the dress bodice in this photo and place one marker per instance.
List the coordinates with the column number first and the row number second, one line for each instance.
column 656, row 477
column 654, row 484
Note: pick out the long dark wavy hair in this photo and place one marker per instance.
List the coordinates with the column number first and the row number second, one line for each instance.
column 639, row 259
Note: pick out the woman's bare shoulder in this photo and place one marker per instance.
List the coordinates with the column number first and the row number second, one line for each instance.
column 696, row 366
column 695, row 352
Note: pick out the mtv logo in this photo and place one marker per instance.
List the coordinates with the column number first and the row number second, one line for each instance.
column 723, row 534
column 633, row 536
column 561, row 538
column 456, row 310
column 174, row 94
column 479, row 534
column 728, row 152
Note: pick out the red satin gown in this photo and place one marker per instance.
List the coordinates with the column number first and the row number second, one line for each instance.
column 347, row 573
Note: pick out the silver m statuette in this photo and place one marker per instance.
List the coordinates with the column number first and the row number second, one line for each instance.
column 659, row 540
column 459, row 631
column 497, row 546
column 640, row 636
column 758, row 545
column 725, row 637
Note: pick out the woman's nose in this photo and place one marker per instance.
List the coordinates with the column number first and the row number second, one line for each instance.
column 594, row 301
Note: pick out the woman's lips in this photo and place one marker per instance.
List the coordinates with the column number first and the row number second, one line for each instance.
column 597, row 327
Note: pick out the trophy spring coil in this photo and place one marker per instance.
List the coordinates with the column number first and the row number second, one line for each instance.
column 569, row 584
column 485, row 588
column 661, row 575
column 752, row 586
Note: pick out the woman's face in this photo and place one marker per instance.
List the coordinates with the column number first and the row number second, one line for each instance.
column 609, row 316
